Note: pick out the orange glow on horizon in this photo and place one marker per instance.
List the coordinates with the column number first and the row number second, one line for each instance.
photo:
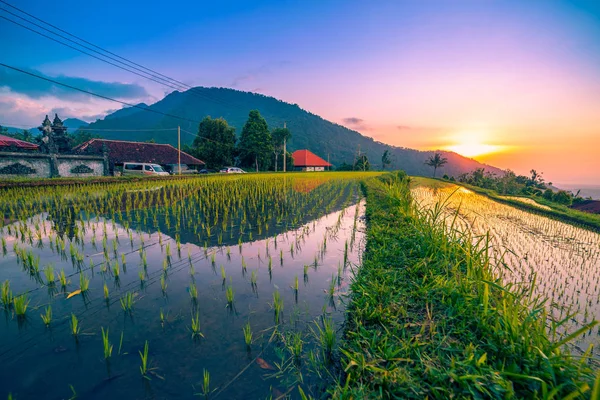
column 473, row 144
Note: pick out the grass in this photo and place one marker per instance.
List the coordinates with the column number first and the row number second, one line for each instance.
column 428, row 318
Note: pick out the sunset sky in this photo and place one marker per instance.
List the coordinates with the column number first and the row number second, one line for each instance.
column 516, row 80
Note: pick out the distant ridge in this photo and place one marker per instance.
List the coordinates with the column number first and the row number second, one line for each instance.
column 309, row 131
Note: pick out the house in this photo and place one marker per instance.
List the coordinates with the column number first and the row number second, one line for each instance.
column 121, row 151
column 305, row 160
column 11, row 144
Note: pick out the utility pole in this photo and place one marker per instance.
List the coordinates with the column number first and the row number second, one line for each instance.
column 284, row 151
column 179, row 149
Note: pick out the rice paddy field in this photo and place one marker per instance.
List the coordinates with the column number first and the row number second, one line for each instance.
column 562, row 260
column 221, row 287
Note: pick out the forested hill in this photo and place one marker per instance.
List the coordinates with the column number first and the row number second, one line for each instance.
column 309, row 131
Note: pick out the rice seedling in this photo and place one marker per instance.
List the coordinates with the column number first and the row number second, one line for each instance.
column 144, row 358
column 223, row 275
column 247, row 329
column 6, row 294
column 205, row 384
column 49, row 273
column 47, row 316
column 20, row 304
column 193, row 292
column 105, row 289
column 62, row 278
column 127, row 302
column 142, row 276
column 253, row 279
column 107, row 346
column 244, row 266
column 84, row 283
column 75, row 327
column 295, row 286
column 230, row 296
column 326, row 336
column 163, row 284
column 277, row 306
column 195, row 327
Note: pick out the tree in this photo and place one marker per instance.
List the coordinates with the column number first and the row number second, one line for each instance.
column 362, row 164
column 81, row 136
column 436, row 161
column 563, row 197
column 215, row 143
column 385, row 159
column 279, row 137
column 255, row 145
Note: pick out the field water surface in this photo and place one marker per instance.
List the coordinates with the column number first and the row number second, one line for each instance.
column 271, row 257
column 563, row 260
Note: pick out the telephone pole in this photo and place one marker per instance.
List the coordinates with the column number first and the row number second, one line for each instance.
column 179, row 149
column 284, row 151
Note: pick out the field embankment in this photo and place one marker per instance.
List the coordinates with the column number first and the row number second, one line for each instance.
column 428, row 318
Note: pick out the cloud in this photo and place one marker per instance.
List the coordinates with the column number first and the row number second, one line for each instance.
column 353, row 121
column 36, row 88
column 356, row 123
column 403, row 127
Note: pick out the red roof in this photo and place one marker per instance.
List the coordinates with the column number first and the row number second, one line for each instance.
column 304, row 158
column 7, row 141
column 120, row 151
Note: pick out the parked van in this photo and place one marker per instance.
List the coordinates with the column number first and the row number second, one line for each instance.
column 130, row 168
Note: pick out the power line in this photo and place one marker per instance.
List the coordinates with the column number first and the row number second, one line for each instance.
column 91, row 44
column 98, row 95
column 166, row 81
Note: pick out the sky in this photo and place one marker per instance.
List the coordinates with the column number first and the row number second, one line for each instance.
column 514, row 84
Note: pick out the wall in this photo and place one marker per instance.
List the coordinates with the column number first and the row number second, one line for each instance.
column 38, row 165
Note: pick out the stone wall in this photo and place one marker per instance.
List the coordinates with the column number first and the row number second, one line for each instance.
column 37, row 165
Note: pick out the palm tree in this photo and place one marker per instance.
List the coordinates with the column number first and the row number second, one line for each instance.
column 385, row 159
column 436, row 161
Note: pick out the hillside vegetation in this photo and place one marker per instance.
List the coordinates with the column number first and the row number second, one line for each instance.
column 308, row 130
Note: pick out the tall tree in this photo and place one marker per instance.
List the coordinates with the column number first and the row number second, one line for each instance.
column 255, row 145
column 436, row 161
column 279, row 137
column 385, row 159
column 362, row 164
column 215, row 143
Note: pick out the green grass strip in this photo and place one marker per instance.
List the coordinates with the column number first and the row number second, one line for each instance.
column 428, row 318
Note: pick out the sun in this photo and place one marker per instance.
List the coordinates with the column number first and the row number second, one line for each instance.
column 474, row 149
column 472, row 144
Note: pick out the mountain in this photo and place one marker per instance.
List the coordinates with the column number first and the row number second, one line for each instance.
column 73, row 124
column 126, row 111
column 309, row 131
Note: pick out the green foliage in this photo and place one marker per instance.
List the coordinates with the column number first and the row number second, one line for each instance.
column 385, row 159
column 458, row 331
column 255, row 145
column 362, row 164
column 436, row 161
column 279, row 137
column 215, row 143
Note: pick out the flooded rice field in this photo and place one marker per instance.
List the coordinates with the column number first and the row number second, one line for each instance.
column 561, row 259
column 222, row 287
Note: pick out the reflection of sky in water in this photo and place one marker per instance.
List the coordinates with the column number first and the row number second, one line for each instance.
column 42, row 362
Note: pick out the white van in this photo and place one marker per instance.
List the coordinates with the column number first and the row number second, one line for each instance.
column 130, row 168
